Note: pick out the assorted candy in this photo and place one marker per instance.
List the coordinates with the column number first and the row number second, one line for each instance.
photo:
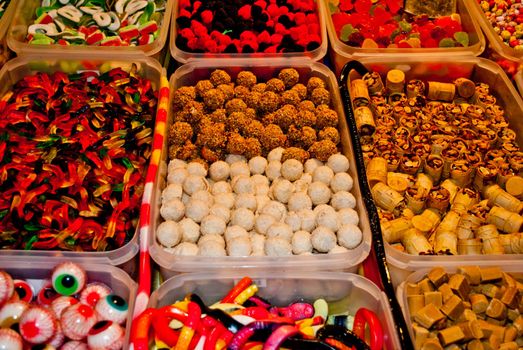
column 73, row 153
column 243, row 320
column 472, row 308
column 383, row 24
column 97, row 22
column 248, row 26
column 443, row 166
column 61, row 319
column 506, row 20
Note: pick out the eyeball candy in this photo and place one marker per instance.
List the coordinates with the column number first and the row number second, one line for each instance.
column 77, row 320
column 68, row 278
column 24, row 290
column 10, row 340
column 47, row 294
column 11, row 312
column 94, row 292
column 113, row 308
column 61, row 303
column 37, row 325
column 105, row 335
column 7, row 287
column 74, row 345
column 58, row 339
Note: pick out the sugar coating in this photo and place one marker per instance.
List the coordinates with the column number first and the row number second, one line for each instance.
column 319, row 193
column 196, row 210
column 258, row 245
column 240, row 247
column 211, row 249
column 301, row 242
column 204, row 196
column 196, row 168
column 323, row 239
column 257, row 165
column 211, row 238
column 190, row 230
column 275, row 154
column 246, row 200
column 293, row 220
column 323, row 174
column 338, row 163
column 172, row 191
column 273, row 170
column 212, row 225
column 311, row 164
column 235, row 232
column 263, row 222
column 221, row 211
column 275, row 246
column 221, row 187
column 243, row 217
column 328, row 219
column 242, row 184
column 292, row 169
column 194, row 183
column 281, row 230
column 349, row 236
column 275, row 209
column 219, row 171
column 168, row 233
column 186, row 249
column 308, row 219
column 172, row 210
column 282, row 190
column 343, row 199
column 239, row 168
column 348, row 216
column 341, row 182
column 177, row 176
column 338, row 250
column 234, row 158
column 298, row 201
column 225, row 199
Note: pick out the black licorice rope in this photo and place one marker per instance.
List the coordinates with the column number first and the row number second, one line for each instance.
column 377, row 240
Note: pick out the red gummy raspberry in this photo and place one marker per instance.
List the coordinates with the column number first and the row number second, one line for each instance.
column 363, row 6
column 345, row 5
column 264, row 37
column 198, row 28
column 245, row 12
column 394, row 6
column 299, row 18
column 381, row 16
column 207, row 16
column 341, row 19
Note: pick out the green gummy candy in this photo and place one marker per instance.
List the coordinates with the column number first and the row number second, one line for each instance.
column 346, row 31
column 446, row 42
column 405, row 26
column 462, row 38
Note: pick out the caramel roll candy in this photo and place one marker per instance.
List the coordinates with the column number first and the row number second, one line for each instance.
column 499, row 197
column 415, row 87
column 438, row 199
column 416, row 243
column 445, row 238
column 465, row 199
column 441, row 91
column 377, row 171
column 387, row 198
column 465, row 87
column 359, row 93
column 505, row 220
column 374, row 83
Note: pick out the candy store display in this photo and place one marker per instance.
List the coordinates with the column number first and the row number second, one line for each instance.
column 468, row 307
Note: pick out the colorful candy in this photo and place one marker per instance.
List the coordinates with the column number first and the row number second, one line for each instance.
column 24, row 290
column 10, row 340
column 68, row 278
column 106, row 335
column 37, row 325
column 112, row 308
column 506, row 17
column 7, row 287
column 77, row 320
column 94, row 292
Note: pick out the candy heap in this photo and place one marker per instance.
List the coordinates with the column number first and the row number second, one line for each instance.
column 66, row 313
column 507, row 20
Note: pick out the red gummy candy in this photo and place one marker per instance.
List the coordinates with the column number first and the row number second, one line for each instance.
column 299, row 18
column 394, row 6
column 245, row 12
column 264, row 37
column 198, row 28
column 207, row 16
column 381, row 16
column 345, row 5
column 363, row 6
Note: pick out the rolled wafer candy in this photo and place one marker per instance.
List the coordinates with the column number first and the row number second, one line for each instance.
column 374, row 83
column 395, row 80
column 424, row 181
column 499, row 197
column 426, row 221
column 465, row 199
column 441, row 91
column 386, row 198
column 446, row 242
column 484, row 176
column 465, row 87
column 471, row 246
column 398, row 181
column 512, row 243
column 449, row 156
column 433, row 167
column 490, row 238
column 472, row 273
column 415, row 199
column 439, row 144
column 416, row 243
column 393, row 230
column 505, row 220
column 377, row 171
column 359, row 93
column 468, row 223
column 438, row 199
column 415, row 87
column 450, row 186
column 514, row 186
column 364, row 120
column 461, row 172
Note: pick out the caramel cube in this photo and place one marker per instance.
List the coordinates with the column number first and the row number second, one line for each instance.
column 472, row 273
column 460, row 286
column 420, row 335
column 511, row 333
column 475, row 345
column 416, row 303
column 509, row 346
column 479, row 303
column 467, row 315
column 432, row 344
column 434, row 298
column 471, row 330
column 425, row 285
column 518, row 323
column 412, row 289
column 438, row 276
column 490, row 290
column 428, row 316
column 453, row 308
column 450, row 335
column 496, row 309
column 512, row 314
column 446, row 291
column 491, row 274
column 510, row 297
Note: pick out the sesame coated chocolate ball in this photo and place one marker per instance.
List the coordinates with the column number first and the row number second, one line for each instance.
column 275, row 85
column 179, row 133
column 254, row 129
column 220, row 76
column 307, row 105
column 213, row 99
column 314, row 83
column 295, row 153
column 329, row 133
column 253, row 99
column 320, row 96
column 289, row 76
column 183, row 95
column 272, row 137
column 285, row 116
column 301, row 90
column 305, row 118
column 238, row 121
column 228, row 91
column 269, row 101
column 235, row 105
column 326, row 117
column 322, row 150
column 253, row 148
column 218, row 116
column 246, row 78
column 241, row 92
column 212, row 135
column 308, row 137
column 290, row 97
column 259, row 87
column 235, row 143
column 202, row 86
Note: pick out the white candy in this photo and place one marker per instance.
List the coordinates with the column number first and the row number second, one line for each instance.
column 348, row 216
column 196, row 168
column 293, row 220
column 261, row 201
column 185, row 198
column 258, row 245
column 275, row 154
column 176, row 163
column 177, row 176
column 273, row 170
column 168, row 233
column 190, row 230
column 221, row 187
column 292, row 169
column 319, row 193
column 261, row 189
column 349, row 236
column 323, row 239
column 301, row 242
column 235, row 232
column 343, row 199
column 225, row 199
column 275, row 209
column 234, row 158
column 263, row 222
column 196, row 210
column 194, row 184
column 186, row 249
column 341, row 182
column 338, row 249
column 221, row 211
column 282, row 190
column 277, row 247
column 323, row 207
column 258, row 179
column 298, row 201
column 308, row 219
column 204, row 196
column 311, row 165
column 172, row 210
column 239, row 247
column 172, row 191
column 324, row 174
column 211, row 249
column 211, row 238
column 243, row 217
column 212, row 225
column 242, row 184
column 257, row 165
column 302, row 184
column 246, row 200
column 239, row 168
column 219, row 171
column 328, row 218
column 338, row 163
column 281, row 230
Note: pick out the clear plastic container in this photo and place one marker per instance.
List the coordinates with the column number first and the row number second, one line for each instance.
column 518, row 78
column 447, row 69
column 5, row 21
column 116, row 279
column 189, row 74
column 25, row 16
column 344, row 292
column 185, row 56
column 341, row 52
column 20, row 67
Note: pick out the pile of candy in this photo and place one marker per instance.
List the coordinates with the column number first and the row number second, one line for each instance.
column 73, row 153
column 97, row 22
column 66, row 313
column 243, row 320
column 507, row 20
column 382, row 24
column 248, row 26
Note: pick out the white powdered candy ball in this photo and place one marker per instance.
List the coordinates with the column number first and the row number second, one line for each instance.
column 302, row 184
column 275, row 246
column 239, row 247
column 257, row 165
column 172, row 210
column 204, row 196
column 263, row 222
column 259, row 179
column 225, row 199
column 299, row 200
column 219, row 171
column 273, row 170
column 282, row 190
column 338, row 249
column 196, row 210
column 275, row 209
column 341, row 182
column 211, row 249
column 308, row 219
column 235, row 232
column 323, row 239
column 301, row 242
column 194, row 184
column 261, row 189
column 319, row 193
column 349, row 236
column 328, row 218
column 212, row 225
column 343, row 199
column 221, row 211
column 275, row 154
column 235, row 158
column 240, row 168
column 186, row 249
column 258, row 245
column 348, row 216
column 311, row 165
column 338, row 163
column 212, row 238
column 221, row 187
column 172, row 191
column 242, row 184
column 261, row 200
column 246, row 200
column 176, row 163
column 281, row 230
column 177, row 176
column 292, row 169
column 322, row 207
column 190, row 230
column 185, row 198
column 168, row 233
column 243, row 217
column 196, row 168
column 293, row 220
column 324, row 174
